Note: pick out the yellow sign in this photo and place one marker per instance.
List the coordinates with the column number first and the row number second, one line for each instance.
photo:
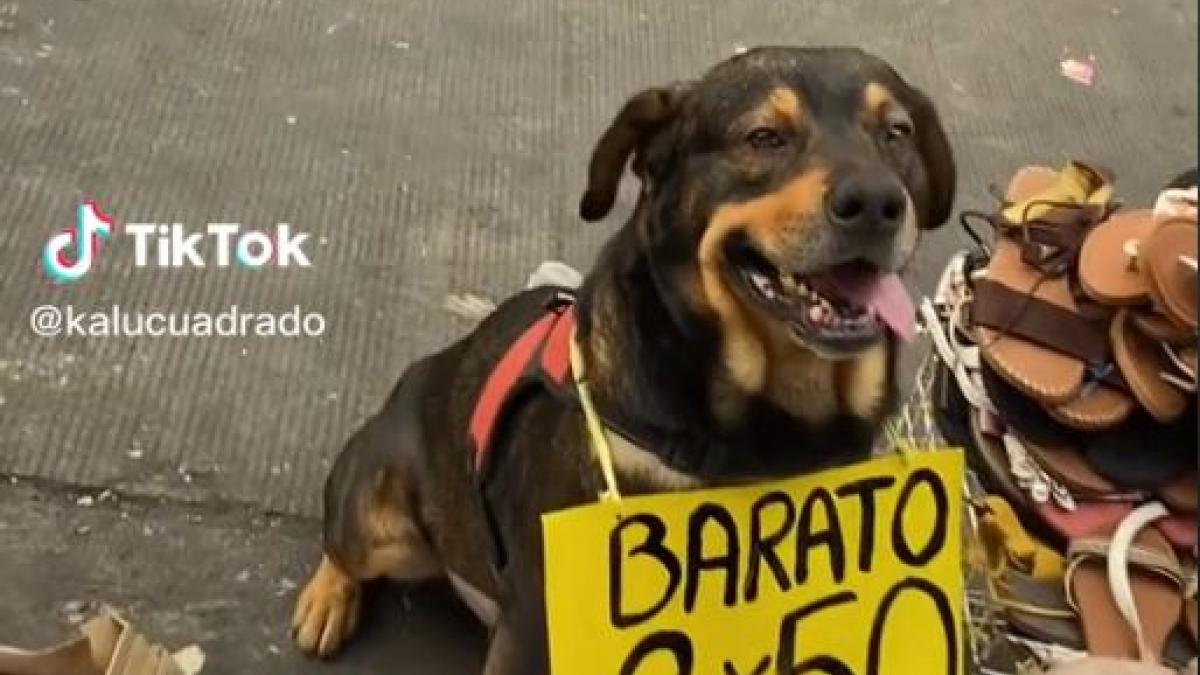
column 854, row 571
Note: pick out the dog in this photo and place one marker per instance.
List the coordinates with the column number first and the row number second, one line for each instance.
column 741, row 325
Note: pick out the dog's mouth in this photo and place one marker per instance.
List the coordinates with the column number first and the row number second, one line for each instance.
column 837, row 312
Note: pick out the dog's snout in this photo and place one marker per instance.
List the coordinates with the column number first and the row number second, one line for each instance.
column 867, row 201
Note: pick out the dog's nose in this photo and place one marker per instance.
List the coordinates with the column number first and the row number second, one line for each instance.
column 867, row 201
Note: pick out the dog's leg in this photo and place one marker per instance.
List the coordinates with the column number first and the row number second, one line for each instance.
column 519, row 644
column 502, row 652
column 370, row 533
column 327, row 612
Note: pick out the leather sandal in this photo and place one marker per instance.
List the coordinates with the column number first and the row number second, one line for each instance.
column 1067, row 465
column 1025, row 578
column 109, row 646
column 1127, row 588
column 1143, row 362
column 1176, row 202
column 1027, row 319
column 1108, row 261
column 1160, row 328
column 1168, row 261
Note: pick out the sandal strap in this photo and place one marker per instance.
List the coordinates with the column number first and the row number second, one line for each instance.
column 1097, row 548
column 1022, row 315
column 1051, row 242
column 1119, row 553
column 957, row 358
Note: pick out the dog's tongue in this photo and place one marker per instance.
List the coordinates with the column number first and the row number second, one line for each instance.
column 883, row 293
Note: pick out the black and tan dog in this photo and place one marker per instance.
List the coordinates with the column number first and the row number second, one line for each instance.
column 740, row 325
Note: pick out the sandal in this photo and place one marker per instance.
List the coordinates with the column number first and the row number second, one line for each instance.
column 1068, row 466
column 1126, row 588
column 1143, row 362
column 988, row 458
column 1176, row 202
column 1170, row 269
column 1117, row 238
column 1160, row 328
column 1025, row 578
column 109, row 646
column 1026, row 316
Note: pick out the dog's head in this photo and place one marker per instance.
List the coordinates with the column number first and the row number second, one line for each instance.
column 796, row 181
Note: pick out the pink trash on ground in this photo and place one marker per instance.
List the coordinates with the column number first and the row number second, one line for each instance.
column 1078, row 70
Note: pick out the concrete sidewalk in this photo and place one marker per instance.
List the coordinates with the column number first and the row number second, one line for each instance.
column 434, row 150
column 223, row 577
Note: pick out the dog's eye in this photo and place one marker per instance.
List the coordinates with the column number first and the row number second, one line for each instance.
column 765, row 138
column 897, row 129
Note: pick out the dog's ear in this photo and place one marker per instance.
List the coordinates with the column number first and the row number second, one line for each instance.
column 938, row 158
column 642, row 119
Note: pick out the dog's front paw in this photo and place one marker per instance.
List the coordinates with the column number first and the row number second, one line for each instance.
column 327, row 611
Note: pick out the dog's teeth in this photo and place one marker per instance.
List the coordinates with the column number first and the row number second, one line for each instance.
column 762, row 283
column 815, row 313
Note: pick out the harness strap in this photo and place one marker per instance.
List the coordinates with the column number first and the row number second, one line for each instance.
column 501, row 382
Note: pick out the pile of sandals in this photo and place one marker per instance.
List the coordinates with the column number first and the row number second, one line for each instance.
column 1067, row 351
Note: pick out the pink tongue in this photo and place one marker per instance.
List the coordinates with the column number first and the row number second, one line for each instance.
column 883, row 293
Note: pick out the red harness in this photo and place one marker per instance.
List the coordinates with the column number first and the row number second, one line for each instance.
column 541, row 355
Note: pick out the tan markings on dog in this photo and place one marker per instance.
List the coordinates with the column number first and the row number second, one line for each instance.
column 800, row 381
column 784, row 106
column 775, row 222
column 636, row 463
column 327, row 610
column 876, row 99
column 862, row 383
column 742, row 349
column 394, row 546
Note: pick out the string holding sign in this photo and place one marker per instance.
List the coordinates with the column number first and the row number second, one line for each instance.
column 856, row 567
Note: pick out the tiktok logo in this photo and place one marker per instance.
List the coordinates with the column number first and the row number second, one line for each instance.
column 70, row 253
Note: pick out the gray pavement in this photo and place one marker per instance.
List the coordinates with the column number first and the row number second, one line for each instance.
column 435, row 151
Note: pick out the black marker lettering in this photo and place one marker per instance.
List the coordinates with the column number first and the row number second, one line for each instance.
column 945, row 615
column 937, row 539
column 785, row 661
column 696, row 560
column 652, row 546
column 759, row 669
column 831, row 537
column 673, row 642
column 762, row 548
column 866, row 489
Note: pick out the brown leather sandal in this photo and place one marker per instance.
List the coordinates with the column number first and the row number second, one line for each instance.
column 1108, row 261
column 1159, row 327
column 1068, row 466
column 1143, row 362
column 1029, row 325
column 1127, row 588
column 1095, row 409
column 1168, row 260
